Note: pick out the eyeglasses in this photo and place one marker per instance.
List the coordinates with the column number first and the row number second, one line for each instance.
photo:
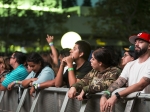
column 125, row 55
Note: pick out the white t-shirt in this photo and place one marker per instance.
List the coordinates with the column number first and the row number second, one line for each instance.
column 134, row 71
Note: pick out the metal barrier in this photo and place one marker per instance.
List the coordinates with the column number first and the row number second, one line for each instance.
column 8, row 100
column 54, row 99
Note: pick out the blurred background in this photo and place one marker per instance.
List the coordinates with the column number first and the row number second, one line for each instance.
column 24, row 24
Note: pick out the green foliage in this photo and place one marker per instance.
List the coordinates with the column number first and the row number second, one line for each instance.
column 118, row 19
column 25, row 27
column 86, row 3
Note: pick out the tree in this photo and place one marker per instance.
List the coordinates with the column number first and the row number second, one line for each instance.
column 68, row 3
column 118, row 19
column 26, row 27
column 86, row 3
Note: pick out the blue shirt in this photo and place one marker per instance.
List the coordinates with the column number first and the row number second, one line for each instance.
column 46, row 74
column 20, row 73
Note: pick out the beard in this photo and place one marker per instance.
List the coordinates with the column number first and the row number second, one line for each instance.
column 140, row 52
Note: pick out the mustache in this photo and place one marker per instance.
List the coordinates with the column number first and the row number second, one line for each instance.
column 137, row 47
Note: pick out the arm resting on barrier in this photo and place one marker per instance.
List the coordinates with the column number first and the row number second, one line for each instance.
column 133, row 88
column 26, row 82
column 50, row 83
column 2, row 88
column 136, row 87
column 117, row 84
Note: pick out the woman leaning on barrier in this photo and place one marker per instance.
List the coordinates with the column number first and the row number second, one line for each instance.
column 41, row 72
column 104, row 73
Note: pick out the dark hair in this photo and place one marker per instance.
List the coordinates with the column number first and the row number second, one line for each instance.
column 35, row 58
column 132, row 54
column 84, row 47
column 5, row 61
column 104, row 55
column 20, row 57
column 65, row 52
column 47, row 58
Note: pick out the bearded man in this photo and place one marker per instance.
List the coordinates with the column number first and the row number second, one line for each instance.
column 136, row 74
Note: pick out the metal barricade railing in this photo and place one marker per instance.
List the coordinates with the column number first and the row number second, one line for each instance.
column 49, row 99
column 9, row 100
column 54, row 99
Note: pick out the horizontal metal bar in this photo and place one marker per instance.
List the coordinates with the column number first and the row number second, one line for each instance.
column 56, row 89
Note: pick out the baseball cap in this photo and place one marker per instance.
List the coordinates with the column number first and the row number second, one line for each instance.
column 130, row 49
column 144, row 36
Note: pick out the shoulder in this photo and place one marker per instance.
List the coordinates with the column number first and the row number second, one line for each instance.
column 20, row 69
column 148, row 60
column 47, row 69
column 115, row 70
column 87, row 64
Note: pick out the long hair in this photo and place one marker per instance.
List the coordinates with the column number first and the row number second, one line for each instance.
column 104, row 55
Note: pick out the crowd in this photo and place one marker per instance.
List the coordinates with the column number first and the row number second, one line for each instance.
column 71, row 68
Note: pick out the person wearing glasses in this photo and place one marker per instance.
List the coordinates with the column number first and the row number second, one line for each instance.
column 136, row 74
column 129, row 55
column 19, row 71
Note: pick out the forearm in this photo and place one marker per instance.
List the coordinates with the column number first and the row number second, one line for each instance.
column 117, row 84
column 72, row 79
column 79, row 86
column 71, row 76
column 59, row 77
column 2, row 88
column 135, row 87
column 55, row 55
column 46, row 84
column 25, row 83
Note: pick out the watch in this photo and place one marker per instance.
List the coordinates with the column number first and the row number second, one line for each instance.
column 117, row 95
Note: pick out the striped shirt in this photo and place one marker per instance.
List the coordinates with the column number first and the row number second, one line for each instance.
column 20, row 73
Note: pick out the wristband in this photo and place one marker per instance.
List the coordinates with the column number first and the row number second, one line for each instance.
column 16, row 82
column 70, row 69
column 107, row 92
column 36, row 86
column 117, row 95
column 51, row 44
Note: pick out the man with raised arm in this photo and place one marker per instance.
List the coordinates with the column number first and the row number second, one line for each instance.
column 136, row 74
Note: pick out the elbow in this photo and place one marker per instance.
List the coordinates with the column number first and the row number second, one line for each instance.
column 141, row 87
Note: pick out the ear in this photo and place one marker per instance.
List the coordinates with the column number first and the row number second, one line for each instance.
column 100, row 63
column 132, row 58
column 148, row 46
column 81, row 54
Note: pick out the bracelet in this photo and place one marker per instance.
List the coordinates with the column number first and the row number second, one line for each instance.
column 107, row 92
column 70, row 69
column 51, row 44
column 16, row 82
column 117, row 95
column 36, row 86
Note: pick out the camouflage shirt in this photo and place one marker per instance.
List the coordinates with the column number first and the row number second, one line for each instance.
column 96, row 81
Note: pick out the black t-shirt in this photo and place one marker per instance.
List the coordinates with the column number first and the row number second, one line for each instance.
column 80, row 72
